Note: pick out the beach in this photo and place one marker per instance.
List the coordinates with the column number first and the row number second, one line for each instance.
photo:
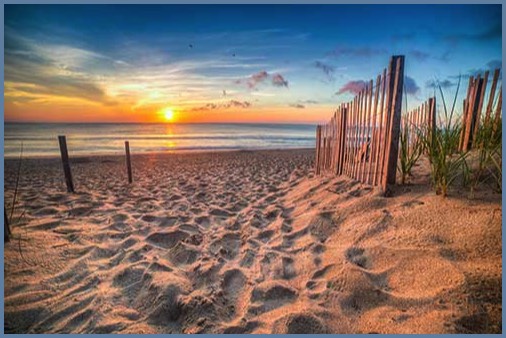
column 245, row 242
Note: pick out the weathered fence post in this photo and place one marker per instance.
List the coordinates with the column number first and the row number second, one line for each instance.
column 7, row 229
column 432, row 114
column 128, row 162
column 342, row 139
column 490, row 104
column 394, row 104
column 317, row 155
column 65, row 161
column 471, row 113
column 497, row 117
column 481, row 98
column 465, row 112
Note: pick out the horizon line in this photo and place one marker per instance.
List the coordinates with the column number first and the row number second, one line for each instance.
column 166, row 123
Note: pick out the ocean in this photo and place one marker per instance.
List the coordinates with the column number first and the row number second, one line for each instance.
column 83, row 139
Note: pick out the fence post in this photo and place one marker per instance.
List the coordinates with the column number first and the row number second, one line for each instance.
column 471, row 113
column 432, row 114
column 65, row 161
column 129, row 164
column 317, row 157
column 481, row 98
column 490, row 104
column 7, row 229
column 394, row 104
column 498, row 112
column 465, row 112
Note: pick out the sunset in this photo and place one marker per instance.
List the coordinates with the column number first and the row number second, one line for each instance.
column 252, row 169
column 230, row 63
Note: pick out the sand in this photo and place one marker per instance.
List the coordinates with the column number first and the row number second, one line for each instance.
column 245, row 242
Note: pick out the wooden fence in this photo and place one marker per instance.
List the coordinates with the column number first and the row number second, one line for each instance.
column 417, row 121
column 473, row 106
column 362, row 138
column 62, row 139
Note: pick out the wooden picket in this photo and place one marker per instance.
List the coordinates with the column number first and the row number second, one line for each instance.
column 419, row 121
column 473, row 105
column 361, row 139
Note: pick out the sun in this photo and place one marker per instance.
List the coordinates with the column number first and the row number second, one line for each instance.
column 168, row 114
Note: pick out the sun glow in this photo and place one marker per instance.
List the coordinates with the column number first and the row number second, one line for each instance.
column 168, row 115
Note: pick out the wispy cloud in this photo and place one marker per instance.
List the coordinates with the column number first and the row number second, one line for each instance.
column 254, row 80
column 327, row 69
column 445, row 84
column 411, row 86
column 298, row 106
column 489, row 66
column 352, row 87
column 494, row 64
column 356, row 52
column 279, row 81
column 33, row 70
column 419, row 55
column 494, row 31
column 222, row 105
column 257, row 78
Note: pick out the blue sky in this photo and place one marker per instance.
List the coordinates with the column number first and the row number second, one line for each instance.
column 231, row 62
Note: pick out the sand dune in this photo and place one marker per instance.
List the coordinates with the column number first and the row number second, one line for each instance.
column 245, row 242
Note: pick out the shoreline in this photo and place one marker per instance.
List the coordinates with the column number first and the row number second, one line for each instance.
column 154, row 153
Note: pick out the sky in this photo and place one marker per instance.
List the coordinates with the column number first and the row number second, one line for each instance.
column 231, row 63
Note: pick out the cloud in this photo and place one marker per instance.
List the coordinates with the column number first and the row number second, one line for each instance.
column 34, row 70
column 327, row 69
column 279, row 81
column 254, row 80
column 257, row 78
column 445, row 84
column 298, row 105
column 494, row 31
column 356, row 52
column 240, row 104
column 225, row 105
column 445, row 57
column 422, row 56
column 310, row 102
column 489, row 66
column 494, row 64
column 49, row 72
column 419, row 55
column 410, row 85
column 352, row 87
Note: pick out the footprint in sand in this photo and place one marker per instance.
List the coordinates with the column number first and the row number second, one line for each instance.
column 203, row 221
column 270, row 296
column 300, row 323
column 357, row 256
column 182, row 254
column 324, row 225
column 167, row 306
column 288, row 268
column 167, row 240
column 227, row 246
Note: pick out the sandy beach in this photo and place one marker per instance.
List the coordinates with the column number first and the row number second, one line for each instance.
column 245, row 242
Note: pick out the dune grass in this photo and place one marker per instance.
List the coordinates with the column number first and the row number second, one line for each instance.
column 441, row 146
column 409, row 152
